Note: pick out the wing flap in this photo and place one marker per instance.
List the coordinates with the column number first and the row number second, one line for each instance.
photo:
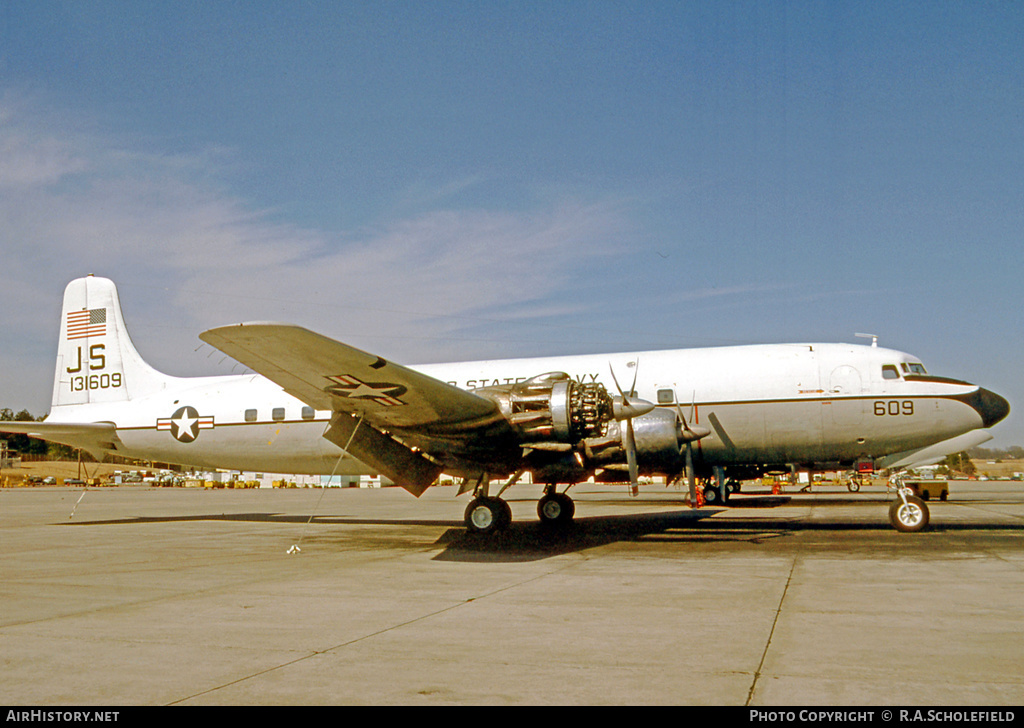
column 403, row 466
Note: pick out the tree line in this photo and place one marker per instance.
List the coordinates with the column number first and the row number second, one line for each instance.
column 1015, row 452
column 25, row 445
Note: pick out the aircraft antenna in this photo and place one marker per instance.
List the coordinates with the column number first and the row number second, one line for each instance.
column 873, row 337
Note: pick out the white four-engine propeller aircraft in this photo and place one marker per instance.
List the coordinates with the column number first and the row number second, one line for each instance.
column 318, row 406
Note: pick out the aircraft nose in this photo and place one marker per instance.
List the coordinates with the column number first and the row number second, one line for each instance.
column 990, row 406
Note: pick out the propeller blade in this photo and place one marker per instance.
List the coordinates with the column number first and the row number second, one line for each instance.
column 625, row 410
column 632, row 389
column 634, row 473
column 616, row 380
column 690, row 479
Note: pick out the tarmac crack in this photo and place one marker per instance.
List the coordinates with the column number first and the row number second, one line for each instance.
column 771, row 633
column 377, row 633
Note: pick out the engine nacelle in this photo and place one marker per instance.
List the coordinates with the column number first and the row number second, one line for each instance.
column 554, row 408
column 658, row 437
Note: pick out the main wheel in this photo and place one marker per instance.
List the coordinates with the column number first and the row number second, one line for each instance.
column 908, row 517
column 556, row 509
column 486, row 515
column 712, row 495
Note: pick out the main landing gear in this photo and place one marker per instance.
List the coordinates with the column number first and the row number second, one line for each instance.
column 486, row 515
column 555, row 509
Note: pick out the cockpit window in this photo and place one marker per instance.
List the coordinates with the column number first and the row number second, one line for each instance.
column 889, row 371
column 913, row 368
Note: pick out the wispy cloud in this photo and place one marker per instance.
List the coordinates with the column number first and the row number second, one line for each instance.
column 187, row 249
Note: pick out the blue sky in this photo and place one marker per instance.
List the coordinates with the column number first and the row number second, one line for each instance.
column 458, row 180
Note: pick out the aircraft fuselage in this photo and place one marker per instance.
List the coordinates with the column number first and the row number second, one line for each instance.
column 764, row 404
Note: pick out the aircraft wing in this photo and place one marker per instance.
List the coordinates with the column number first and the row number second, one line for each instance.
column 934, row 453
column 404, row 423
column 329, row 375
column 96, row 438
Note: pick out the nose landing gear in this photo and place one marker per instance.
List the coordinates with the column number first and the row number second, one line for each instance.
column 908, row 513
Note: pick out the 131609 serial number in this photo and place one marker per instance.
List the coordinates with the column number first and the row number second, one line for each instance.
column 96, row 381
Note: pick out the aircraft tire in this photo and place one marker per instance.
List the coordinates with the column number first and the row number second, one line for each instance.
column 909, row 517
column 486, row 515
column 556, row 509
column 712, row 495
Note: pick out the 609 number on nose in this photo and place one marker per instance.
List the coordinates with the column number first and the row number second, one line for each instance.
column 894, row 408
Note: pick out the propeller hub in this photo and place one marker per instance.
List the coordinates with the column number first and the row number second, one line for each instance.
column 628, row 409
column 692, row 433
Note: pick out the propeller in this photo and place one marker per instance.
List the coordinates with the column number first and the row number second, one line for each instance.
column 689, row 434
column 624, row 410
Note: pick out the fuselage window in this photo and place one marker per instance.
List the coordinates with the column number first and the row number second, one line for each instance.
column 250, row 415
column 277, row 414
column 308, row 413
column 889, row 371
column 666, row 396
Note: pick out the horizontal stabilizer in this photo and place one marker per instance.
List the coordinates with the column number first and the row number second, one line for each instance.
column 96, row 438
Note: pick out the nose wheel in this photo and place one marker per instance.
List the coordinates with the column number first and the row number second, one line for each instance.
column 908, row 513
column 909, row 516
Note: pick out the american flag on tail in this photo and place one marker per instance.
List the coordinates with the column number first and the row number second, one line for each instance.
column 86, row 323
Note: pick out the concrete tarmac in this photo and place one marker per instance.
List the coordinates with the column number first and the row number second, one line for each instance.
column 146, row 596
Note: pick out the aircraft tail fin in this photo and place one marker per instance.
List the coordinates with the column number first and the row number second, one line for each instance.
column 96, row 359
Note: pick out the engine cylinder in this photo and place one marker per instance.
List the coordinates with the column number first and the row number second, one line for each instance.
column 554, row 407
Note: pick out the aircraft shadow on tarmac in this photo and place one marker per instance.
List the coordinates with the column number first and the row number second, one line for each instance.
column 529, row 540
column 521, row 541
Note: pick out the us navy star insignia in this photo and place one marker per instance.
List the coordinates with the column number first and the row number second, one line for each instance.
column 185, row 424
column 350, row 387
